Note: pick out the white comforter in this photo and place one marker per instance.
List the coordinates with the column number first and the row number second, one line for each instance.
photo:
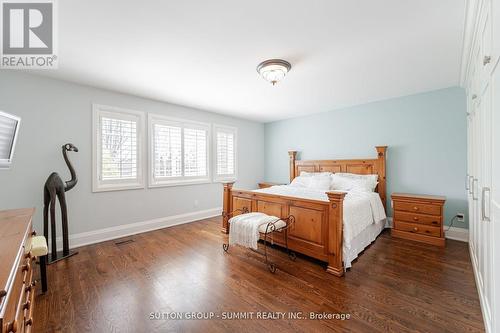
column 361, row 209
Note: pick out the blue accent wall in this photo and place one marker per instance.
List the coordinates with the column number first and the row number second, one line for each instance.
column 426, row 134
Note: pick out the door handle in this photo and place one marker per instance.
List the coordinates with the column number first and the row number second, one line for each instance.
column 474, row 197
column 467, row 183
column 483, row 205
column 470, row 184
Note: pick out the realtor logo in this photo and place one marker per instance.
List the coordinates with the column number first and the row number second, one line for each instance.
column 28, row 34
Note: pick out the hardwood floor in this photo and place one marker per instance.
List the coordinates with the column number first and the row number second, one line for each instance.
column 394, row 286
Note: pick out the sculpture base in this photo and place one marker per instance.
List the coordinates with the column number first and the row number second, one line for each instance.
column 60, row 256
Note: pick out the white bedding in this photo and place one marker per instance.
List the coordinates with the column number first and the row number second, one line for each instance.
column 361, row 209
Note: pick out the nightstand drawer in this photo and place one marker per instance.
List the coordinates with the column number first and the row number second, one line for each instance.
column 417, row 218
column 421, row 208
column 418, row 228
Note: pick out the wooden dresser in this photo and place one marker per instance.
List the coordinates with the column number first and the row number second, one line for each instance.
column 17, row 286
column 418, row 218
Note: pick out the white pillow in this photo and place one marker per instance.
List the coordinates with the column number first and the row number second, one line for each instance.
column 320, row 183
column 364, row 181
column 301, row 181
column 339, row 183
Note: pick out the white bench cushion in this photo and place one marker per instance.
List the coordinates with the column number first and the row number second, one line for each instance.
column 39, row 246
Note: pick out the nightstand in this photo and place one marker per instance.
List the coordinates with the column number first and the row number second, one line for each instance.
column 418, row 217
column 268, row 184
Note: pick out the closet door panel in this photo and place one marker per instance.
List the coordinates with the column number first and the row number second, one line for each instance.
column 495, row 184
column 485, row 193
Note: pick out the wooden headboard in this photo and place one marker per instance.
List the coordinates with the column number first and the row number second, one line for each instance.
column 361, row 166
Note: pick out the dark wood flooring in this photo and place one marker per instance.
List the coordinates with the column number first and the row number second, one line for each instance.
column 394, row 286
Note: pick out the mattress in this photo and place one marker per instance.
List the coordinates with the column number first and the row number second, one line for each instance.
column 363, row 215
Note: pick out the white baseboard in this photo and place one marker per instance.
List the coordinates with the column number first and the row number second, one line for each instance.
column 101, row 235
column 459, row 234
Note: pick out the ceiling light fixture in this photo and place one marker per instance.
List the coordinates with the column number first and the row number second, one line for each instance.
column 274, row 70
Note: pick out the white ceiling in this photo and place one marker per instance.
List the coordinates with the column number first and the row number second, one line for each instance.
column 204, row 53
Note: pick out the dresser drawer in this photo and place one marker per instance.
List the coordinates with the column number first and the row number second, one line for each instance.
column 417, row 228
column 28, row 306
column 13, row 312
column 415, row 207
column 417, row 218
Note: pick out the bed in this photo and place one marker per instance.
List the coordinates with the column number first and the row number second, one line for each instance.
column 331, row 226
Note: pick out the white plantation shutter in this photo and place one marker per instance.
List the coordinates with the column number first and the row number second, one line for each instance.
column 179, row 151
column 195, row 152
column 117, row 148
column 225, row 153
column 8, row 126
column 167, row 151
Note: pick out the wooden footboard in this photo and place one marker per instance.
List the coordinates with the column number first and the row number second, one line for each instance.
column 317, row 231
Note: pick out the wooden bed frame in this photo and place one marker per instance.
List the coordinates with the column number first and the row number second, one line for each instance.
column 317, row 231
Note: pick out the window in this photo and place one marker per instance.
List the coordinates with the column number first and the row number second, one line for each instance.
column 179, row 151
column 117, row 150
column 225, row 153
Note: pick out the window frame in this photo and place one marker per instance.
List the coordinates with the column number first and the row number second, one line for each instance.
column 182, row 180
column 99, row 185
column 226, row 129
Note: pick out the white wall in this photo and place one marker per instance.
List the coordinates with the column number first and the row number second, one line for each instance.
column 56, row 112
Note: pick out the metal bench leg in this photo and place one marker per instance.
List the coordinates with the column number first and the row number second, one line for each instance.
column 270, row 265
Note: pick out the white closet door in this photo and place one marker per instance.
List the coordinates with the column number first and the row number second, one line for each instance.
column 484, row 197
column 495, row 198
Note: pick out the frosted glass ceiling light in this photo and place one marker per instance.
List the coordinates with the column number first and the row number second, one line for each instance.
column 274, row 70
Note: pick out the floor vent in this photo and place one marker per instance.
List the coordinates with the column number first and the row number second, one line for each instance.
column 123, row 242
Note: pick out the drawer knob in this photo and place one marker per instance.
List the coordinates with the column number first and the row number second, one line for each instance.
column 415, row 218
column 415, row 208
column 415, row 229
column 12, row 326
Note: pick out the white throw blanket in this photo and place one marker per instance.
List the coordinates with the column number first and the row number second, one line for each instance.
column 244, row 228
